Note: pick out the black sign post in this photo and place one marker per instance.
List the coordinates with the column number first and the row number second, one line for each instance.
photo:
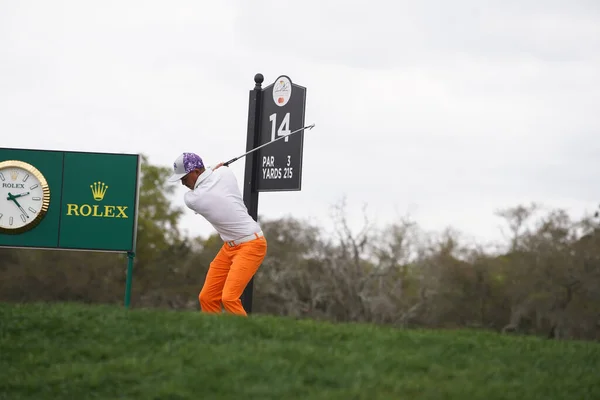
column 273, row 112
column 251, row 169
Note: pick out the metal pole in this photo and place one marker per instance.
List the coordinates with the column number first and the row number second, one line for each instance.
column 130, row 257
column 251, row 169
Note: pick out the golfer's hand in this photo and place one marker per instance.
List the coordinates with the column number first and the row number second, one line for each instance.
column 218, row 165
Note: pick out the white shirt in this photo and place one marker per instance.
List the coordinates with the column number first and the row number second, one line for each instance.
column 217, row 198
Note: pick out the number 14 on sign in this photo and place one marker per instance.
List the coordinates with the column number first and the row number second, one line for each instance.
column 284, row 128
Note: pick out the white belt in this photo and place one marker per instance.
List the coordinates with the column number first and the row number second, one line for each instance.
column 245, row 239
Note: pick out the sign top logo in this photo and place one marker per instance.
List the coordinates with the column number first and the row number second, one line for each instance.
column 98, row 190
column 282, row 91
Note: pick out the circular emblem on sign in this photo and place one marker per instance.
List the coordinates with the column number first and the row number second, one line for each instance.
column 24, row 196
column 282, row 91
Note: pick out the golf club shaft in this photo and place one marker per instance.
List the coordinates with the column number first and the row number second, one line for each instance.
column 263, row 145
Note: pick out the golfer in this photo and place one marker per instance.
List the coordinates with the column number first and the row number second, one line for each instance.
column 215, row 195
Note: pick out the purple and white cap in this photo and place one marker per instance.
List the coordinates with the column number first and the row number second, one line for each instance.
column 184, row 164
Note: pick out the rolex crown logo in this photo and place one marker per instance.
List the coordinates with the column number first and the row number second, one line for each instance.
column 14, row 175
column 98, row 190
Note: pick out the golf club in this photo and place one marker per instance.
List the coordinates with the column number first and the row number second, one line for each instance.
column 272, row 141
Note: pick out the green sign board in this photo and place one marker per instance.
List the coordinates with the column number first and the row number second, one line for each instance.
column 68, row 200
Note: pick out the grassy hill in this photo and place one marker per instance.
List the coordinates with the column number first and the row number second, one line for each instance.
column 70, row 351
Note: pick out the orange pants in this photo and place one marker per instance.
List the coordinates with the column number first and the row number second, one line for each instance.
column 228, row 275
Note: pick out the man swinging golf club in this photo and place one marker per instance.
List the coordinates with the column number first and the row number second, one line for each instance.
column 215, row 195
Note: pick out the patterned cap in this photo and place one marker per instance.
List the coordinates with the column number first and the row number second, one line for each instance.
column 184, row 164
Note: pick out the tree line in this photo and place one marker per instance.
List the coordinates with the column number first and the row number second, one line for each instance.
column 546, row 281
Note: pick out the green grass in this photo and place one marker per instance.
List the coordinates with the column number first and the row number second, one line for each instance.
column 62, row 351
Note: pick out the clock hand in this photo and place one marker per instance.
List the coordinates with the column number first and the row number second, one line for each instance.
column 17, row 195
column 23, row 211
column 14, row 198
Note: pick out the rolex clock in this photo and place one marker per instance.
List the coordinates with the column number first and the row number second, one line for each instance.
column 24, row 197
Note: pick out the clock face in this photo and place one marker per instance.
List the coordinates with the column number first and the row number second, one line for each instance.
column 24, row 197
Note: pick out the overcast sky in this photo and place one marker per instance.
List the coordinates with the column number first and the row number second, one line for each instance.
column 443, row 110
